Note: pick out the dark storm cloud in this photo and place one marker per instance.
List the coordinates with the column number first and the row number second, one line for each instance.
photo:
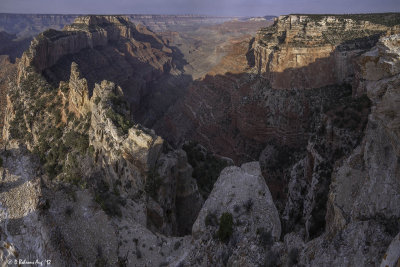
column 209, row 7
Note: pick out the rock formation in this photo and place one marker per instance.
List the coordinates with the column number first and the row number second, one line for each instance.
column 320, row 186
column 297, row 46
column 240, row 194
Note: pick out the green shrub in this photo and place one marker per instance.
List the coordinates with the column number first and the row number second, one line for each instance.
column 68, row 211
column 71, row 116
column 17, row 126
column 225, row 229
column 211, row 219
column 248, row 205
column 119, row 120
column 110, row 203
column 177, row 245
column 206, row 167
column 57, row 116
column 153, row 183
column 78, row 141
column 265, row 237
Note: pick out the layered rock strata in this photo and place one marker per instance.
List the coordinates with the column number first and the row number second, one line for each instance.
column 297, row 46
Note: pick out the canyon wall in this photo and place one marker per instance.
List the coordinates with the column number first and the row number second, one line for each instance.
column 322, row 188
column 363, row 196
column 84, row 33
column 236, row 109
column 111, row 48
column 297, row 46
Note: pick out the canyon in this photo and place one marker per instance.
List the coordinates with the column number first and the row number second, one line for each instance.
column 201, row 141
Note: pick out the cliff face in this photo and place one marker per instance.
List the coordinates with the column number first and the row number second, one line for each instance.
column 85, row 33
column 6, row 72
column 304, row 129
column 364, row 194
column 379, row 151
column 296, row 47
column 111, row 48
column 236, row 112
column 132, row 152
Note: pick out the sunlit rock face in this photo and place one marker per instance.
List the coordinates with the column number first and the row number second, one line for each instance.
column 296, row 48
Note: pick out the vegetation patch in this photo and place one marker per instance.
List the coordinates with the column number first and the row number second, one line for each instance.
column 77, row 141
column 60, row 147
column 108, row 201
column 211, row 219
column 206, row 167
column 18, row 129
column 265, row 237
column 225, row 229
column 119, row 120
column 351, row 113
column 153, row 183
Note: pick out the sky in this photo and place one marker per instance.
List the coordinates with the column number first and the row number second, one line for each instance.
column 203, row 7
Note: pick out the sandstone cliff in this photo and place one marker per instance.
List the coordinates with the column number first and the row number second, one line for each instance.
column 297, row 46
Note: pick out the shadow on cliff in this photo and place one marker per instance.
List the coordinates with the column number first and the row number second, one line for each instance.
column 150, row 85
column 237, row 114
column 13, row 47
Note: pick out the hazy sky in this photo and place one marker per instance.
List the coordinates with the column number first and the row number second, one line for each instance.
column 206, row 7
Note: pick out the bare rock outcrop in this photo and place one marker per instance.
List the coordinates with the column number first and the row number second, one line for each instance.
column 238, row 191
column 241, row 216
column 85, row 32
column 126, row 152
column 24, row 235
column 109, row 48
column 78, row 92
